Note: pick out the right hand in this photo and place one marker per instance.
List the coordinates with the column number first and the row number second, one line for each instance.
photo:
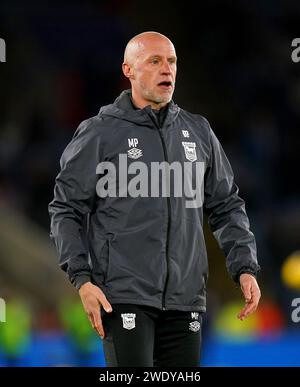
column 93, row 299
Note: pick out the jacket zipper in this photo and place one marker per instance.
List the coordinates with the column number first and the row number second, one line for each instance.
column 169, row 215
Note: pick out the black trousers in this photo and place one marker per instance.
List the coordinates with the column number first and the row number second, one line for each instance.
column 144, row 336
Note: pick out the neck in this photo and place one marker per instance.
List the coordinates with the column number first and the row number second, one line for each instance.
column 140, row 102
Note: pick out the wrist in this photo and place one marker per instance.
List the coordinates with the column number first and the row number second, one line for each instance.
column 79, row 281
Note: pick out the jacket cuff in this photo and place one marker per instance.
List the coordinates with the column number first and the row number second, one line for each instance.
column 79, row 280
column 246, row 270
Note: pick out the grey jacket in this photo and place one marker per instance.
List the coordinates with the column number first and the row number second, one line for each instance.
column 148, row 250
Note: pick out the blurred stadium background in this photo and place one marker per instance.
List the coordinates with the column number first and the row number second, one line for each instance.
column 235, row 68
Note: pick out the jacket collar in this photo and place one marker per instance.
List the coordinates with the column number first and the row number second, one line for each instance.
column 123, row 109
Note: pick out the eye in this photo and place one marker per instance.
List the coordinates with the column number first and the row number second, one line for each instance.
column 154, row 61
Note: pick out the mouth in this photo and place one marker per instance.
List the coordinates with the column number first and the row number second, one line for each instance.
column 166, row 85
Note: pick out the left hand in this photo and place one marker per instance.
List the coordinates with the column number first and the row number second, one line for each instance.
column 251, row 293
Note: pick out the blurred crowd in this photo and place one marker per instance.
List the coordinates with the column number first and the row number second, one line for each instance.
column 234, row 67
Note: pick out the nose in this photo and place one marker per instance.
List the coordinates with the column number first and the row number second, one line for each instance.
column 166, row 68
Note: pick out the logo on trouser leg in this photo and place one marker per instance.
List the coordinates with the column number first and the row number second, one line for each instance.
column 195, row 315
column 128, row 320
column 194, row 326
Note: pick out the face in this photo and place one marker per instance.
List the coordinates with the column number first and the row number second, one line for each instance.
column 154, row 72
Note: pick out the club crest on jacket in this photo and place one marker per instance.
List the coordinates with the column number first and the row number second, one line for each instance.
column 190, row 150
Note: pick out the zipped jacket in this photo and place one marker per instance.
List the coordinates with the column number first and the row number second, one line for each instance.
column 123, row 219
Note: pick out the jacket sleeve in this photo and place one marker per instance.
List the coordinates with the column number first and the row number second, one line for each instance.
column 74, row 196
column 227, row 216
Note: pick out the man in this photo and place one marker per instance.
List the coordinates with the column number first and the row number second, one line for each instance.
column 139, row 259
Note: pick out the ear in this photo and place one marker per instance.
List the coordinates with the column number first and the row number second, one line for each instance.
column 128, row 70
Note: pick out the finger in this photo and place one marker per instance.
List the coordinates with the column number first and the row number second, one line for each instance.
column 246, row 289
column 252, row 304
column 241, row 315
column 104, row 303
column 255, row 295
column 247, row 310
column 250, row 307
column 97, row 326
column 98, row 322
column 90, row 319
column 244, row 312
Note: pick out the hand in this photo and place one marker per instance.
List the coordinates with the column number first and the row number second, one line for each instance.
column 93, row 299
column 251, row 293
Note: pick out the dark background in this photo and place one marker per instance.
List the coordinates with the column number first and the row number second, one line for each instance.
column 234, row 67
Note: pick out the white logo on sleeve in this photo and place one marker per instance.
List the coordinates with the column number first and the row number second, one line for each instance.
column 134, row 152
column 185, row 133
column 128, row 320
column 190, row 150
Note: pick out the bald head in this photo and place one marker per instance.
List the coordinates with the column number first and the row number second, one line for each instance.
column 140, row 43
column 150, row 64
